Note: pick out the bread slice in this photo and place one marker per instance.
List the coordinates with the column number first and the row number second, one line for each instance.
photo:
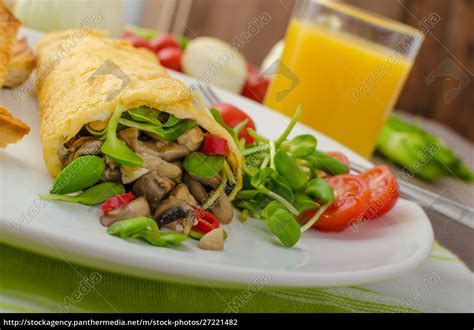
column 22, row 62
column 9, row 26
column 12, row 129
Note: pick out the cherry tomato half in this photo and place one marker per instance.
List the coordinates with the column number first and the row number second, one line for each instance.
column 163, row 41
column 352, row 199
column 384, row 190
column 233, row 116
column 256, row 85
column 136, row 41
column 171, row 58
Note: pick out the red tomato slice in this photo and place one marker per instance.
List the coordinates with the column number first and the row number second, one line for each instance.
column 163, row 41
column 233, row 116
column 352, row 199
column 171, row 58
column 256, row 85
column 384, row 190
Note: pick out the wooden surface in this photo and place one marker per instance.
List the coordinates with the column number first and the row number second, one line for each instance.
column 449, row 42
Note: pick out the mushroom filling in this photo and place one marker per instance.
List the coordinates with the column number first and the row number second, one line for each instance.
column 163, row 161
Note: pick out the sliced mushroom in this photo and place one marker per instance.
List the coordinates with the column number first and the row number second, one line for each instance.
column 213, row 240
column 132, row 173
column 196, row 189
column 223, row 210
column 163, row 168
column 172, row 151
column 83, row 146
column 172, row 209
column 181, row 191
column 111, row 163
column 130, row 137
column 91, row 147
column 153, row 187
column 159, row 142
column 211, row 182
column 111, row 175
column 136, row 208
column 192, row 139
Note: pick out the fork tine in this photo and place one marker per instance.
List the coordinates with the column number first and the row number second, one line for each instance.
column 203, row 94
column 213, row 95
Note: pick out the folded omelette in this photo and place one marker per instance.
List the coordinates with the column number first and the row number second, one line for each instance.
column 87, row 80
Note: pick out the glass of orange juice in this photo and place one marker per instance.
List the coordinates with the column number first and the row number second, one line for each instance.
column 346, row 67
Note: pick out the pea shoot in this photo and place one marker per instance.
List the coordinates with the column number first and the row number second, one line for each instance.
column 280, row 182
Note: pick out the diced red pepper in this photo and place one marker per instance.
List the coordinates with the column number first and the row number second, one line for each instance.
column 206, row 221
column 116, row 201
column 213, row 145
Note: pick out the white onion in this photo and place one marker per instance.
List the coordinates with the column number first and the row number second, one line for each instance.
column 213, row 61
column 55, row 15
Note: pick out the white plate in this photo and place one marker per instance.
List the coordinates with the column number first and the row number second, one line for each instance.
column 376, row 251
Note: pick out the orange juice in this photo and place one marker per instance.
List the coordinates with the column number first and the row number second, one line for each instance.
column 347, row 85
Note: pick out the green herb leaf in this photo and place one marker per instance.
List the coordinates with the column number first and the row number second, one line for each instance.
column 261, row 176
column 202, row 165
column 247, row 194
column 282, row 188
column 166, row 133
column 321, row 190
column 270, row 209
column 172, row 121
column 115, row 148
column 174, row 132
column 129, row 227
column 145, row 115
column 300, row 146
column 304, row 203
column 81, row 173
column 147, row 229
column 92, row 196
column 319, row 160
column 287, row 168
column 284, row 226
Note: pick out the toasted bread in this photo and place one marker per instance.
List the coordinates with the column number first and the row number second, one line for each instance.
column 12, row 130
column 9, row 26
column 22, row 62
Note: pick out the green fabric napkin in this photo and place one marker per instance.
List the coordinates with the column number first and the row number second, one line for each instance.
column 33, row 283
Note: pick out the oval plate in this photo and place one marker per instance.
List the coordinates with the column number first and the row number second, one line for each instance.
column 372, row 251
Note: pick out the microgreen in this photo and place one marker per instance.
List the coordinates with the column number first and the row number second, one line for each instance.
column 319, row 160
column 202, row 165
column 147, row 229
column 81, row 173
column 92, row 196
column 114, row 147
column 287, row 168
column 321, row 190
